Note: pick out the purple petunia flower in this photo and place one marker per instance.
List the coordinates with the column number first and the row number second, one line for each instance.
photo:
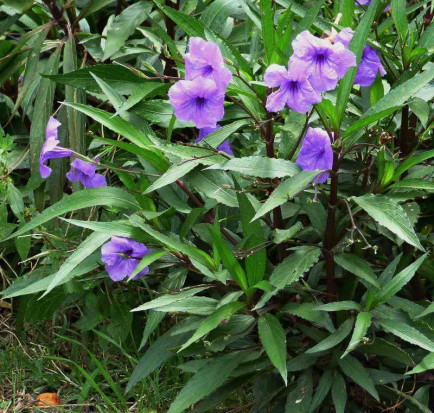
column 367, row 2
column 224, row 147
column 316, row 153
column 85, row 172
column 199, row 101
column 50, row 148
column 325, row 62
column 295, row 89
column 370, row 63
column 204, row 59
column 121, row 256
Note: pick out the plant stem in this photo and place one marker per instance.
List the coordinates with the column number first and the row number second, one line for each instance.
column 330, row 233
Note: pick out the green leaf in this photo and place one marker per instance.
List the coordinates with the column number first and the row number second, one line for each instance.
column 282, row 235
column 333, row 339
column 426, row 364
column 253, row 234
column 87, row 247
column 213, row 321
column 400, row 19
column 267, row 28
column 146, row 261
column 287, row 190
column 273, row 338
column 414, row 184
column 174, row 173
column 357, row 266
column 259, row 166
column 356, row 372
column 363, row 321
column 208, row 378
column 173, row 243
column 120, row 78
column 322, row 389
column 294, row 266
column 123, row 26
column 391, row 215
column 385, row 348
column 357, row 45
column 92, row 7
column 103, row 196
column 407, row 333
column 411, row 161
column 310, row 16
column 401, row 93
column 159, row 352
column 228, row 259
column 299, row 400
column 340, row 306
column 394, row 285
column 339, row 393
column 169, row 299
column 216, row 138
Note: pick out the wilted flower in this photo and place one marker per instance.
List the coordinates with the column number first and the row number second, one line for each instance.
column 204, row 59
column 199, row 101
column 325, row 62
column 85, row 172
column 121, row 256
column 295, row 89
column 224, row 147
column 316, row 153
column 50, row 148
column 370, row 63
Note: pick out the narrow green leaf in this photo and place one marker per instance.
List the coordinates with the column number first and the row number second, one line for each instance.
column 357, row 372
column 288, row 189
column 363, row 321
column 390, row 214
column 340, row 306
column 357, row 266
column 400, row 19
column 339, row 393
column 333, row 339
column 213, row 321
column 273, row 338
column 426, row 364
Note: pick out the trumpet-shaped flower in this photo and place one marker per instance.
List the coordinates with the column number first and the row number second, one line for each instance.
column 326, row 63
column 204, row 59
column 294, row 90
column 370, row 63
column 316, row 153
column 85, row 172
column 199, row 101
column 50, row 148
column 224, row 147
column 121, row 256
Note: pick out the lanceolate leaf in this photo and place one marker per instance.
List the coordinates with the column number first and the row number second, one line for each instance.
column 357, row 266
column 259, row 166
column 104, row 196
column 426, row 364
column 363, row 321
column 273, row 338
column 390, row 214
column 286, row 191
column 333, row 339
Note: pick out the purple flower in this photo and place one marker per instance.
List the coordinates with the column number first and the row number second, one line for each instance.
column 224, row 147
column 199, row 101
column 121, row 256
column 295, row 89
column 204, row 59
column 85, row 172
column 370, row 63
column 50, row 148
column 325, row 62
column 367, row 2
column 316, row 153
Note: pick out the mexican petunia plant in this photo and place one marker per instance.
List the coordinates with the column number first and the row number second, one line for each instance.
column 246, row 190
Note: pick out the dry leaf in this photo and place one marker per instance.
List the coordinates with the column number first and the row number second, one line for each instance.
column 47, row 399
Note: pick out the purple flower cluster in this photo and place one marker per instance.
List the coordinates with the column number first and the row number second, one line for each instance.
column 370, row 63
column 121, row 256
column 316, row 66
column 316, row 153
column 200, row 97
column 81, row 171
